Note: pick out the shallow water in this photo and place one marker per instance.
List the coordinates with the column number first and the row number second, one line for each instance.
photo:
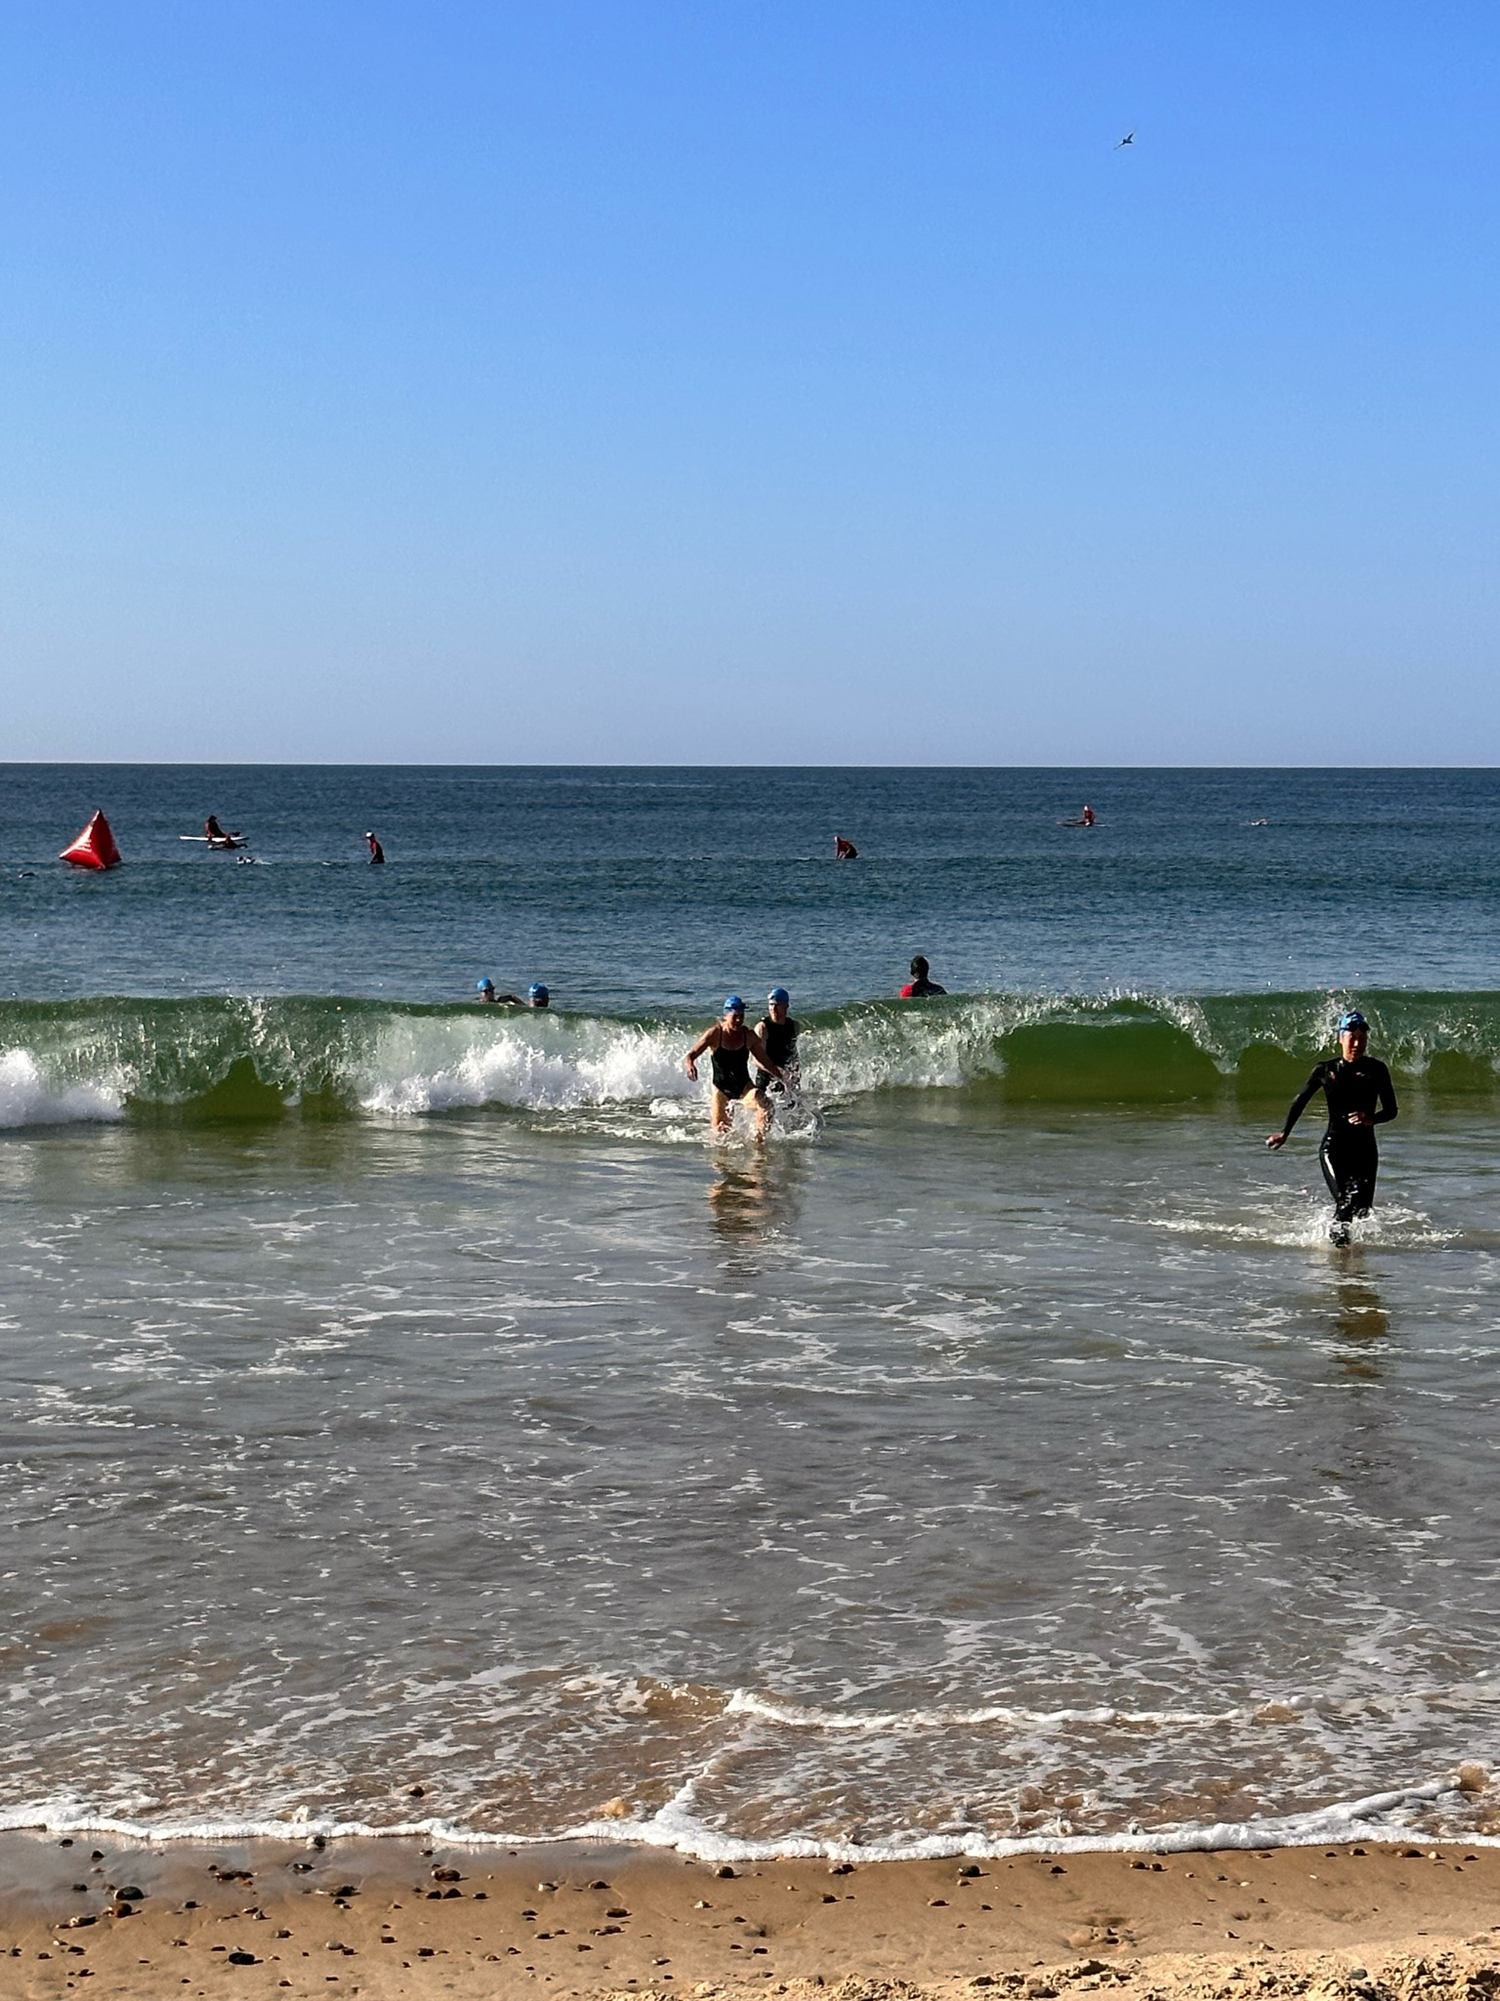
column 415, row 1398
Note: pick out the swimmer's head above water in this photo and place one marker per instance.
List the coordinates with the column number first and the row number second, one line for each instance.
column 734, row 1010
column 1353, row 1033
column 538, row 995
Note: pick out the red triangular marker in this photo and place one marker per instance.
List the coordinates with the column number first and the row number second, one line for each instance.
column 94, row 848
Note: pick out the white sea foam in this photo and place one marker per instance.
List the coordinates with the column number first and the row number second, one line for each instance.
column 1377, row 1816
column 423, row 1064
column 796, row 1717
column 27, row 1098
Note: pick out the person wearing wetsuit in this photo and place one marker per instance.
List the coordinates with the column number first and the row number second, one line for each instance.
column 377, row 852
column 732, row 1045
column 779, row 1034
column 920, row 986
column 1360, row 1096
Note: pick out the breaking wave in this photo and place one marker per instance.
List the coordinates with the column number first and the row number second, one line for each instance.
column 326, row 1057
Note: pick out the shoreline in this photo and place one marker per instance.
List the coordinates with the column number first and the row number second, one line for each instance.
column 397, row 1917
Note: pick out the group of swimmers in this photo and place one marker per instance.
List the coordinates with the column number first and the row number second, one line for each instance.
column 771, row 1045
column 1356, row 1086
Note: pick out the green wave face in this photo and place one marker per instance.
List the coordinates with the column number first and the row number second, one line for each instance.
column 213, row 1060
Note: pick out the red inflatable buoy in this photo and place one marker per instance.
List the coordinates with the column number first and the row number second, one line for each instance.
column 94, row 848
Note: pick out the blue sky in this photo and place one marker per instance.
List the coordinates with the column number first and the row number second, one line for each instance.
column 765, row 384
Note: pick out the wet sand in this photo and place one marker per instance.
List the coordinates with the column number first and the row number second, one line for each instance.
column 395, row 1918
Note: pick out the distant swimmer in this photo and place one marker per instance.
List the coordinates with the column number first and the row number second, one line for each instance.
column 1360, row 1096
column 844, row 851
column 779, row 1034
column 377, row 852
column 732, row 1046
column 1085, row 819
column 535, row 996
column 920, row 986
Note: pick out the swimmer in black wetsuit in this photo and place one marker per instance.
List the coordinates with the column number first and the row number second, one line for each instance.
column 732, row 1045
column 779, row 1034
column 1360, row 1097
column 920, row 986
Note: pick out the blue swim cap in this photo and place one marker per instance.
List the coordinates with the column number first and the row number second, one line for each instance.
column 1353, row 1019
column 536, row 991
column 780, row 995
column 480, row 985
column 734, row 1005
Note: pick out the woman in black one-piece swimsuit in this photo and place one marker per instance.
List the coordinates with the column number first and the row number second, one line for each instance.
column 732, row 1045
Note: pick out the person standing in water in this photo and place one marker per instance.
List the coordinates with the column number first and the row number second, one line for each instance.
column 779, row 1034
column 1360, row 1096
column 377, row 852
column 732, row 1045
column 920, row 986
column 844, row 851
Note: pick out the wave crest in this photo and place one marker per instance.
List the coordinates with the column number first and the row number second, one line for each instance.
column 215, row 1059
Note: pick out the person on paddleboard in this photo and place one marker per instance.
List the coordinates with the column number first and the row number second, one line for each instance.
column 779, row 1034
column 920, row 986
column 732, row 1045
column 1360, row 1096
column 216, row 837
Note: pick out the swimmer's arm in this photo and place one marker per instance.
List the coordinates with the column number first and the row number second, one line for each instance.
column 709, row 1039
column 1386, row 1095
column 1299, row 1105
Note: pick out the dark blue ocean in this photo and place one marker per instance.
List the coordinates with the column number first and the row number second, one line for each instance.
column 399, row 1390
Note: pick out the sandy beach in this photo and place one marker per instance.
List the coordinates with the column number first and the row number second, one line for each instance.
column 397, row 1918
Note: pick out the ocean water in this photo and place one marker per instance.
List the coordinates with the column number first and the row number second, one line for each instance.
column 401, row 1394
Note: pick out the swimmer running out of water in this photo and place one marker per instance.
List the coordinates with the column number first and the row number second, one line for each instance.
column 779, row 1033
column 1360, row 1096
column 732, row 1045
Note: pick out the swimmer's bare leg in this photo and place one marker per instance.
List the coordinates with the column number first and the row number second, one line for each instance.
column 719, row 1117
column 762, row 1116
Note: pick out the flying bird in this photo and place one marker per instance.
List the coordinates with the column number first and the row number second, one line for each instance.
column 1128, row 140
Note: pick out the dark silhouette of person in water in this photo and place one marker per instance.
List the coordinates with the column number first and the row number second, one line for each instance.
column 377, row 852
column 844, row 851
column 920, row 986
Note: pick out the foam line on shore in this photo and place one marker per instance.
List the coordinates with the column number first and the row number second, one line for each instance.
column 796, row 1717
column 675, row 1826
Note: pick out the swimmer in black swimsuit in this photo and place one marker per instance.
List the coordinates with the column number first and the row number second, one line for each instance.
column 779, row 1034
column 732, row 1045
column 1360, row 1097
